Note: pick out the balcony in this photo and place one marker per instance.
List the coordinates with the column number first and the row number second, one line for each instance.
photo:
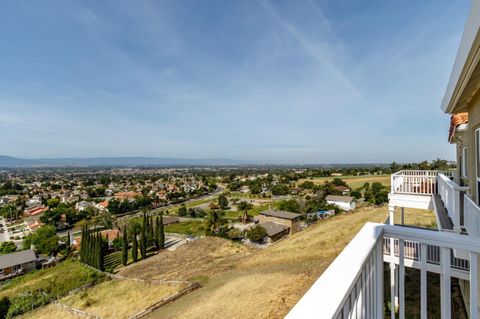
column 433, row 190
column 353, row 285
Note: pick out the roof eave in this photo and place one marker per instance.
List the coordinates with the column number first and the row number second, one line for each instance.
column 465, row 62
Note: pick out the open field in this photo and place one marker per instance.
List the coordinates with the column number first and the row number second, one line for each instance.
column 119, row 299
column 246, row 283
column 353, row 181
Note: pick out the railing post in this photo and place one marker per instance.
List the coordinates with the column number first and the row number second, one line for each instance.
column 445, row 284
column 456, row 224
column 423, row 281
column 474, row 287
column 401, row 279
column 391, row 210
column 379, row 281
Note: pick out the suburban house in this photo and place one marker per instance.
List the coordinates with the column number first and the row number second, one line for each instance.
column 126, row 195
column 82, row 205
column 354, row 285
column 343, row 202
column 102, row 206
column 343, row 189
column 35, row 210
column 290, row 220
column 17, row 263
column 275, row 231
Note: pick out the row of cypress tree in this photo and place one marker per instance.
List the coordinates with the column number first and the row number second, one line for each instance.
column 91, row 248
column 151, row 234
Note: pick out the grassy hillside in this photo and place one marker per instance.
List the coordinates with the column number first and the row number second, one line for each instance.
column 263, row 283
column 36, row 288
column 119, row 299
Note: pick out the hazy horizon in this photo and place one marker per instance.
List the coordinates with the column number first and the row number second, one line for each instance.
column 258, row 81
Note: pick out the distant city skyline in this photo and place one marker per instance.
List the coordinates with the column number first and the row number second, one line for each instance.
column 258, row 81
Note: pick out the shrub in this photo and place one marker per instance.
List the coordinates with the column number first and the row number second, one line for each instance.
column 235, row 234
column 256, row 234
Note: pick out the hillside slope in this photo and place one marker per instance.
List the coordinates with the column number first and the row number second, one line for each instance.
column 267, row 283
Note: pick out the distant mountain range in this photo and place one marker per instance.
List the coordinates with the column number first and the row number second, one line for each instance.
column 13, row 162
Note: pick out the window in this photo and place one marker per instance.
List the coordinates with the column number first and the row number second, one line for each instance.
column 464, row 163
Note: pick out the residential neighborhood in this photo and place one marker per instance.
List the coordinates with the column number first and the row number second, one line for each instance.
column 240, row 159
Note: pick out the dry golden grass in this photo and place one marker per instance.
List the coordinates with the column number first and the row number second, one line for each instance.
column 119, row 299
column 416, row 217
column 353, row 181
column 203, row 257
column 267, row 283
column 48, row 312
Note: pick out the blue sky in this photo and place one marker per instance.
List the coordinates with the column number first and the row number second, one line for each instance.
column 264, row 81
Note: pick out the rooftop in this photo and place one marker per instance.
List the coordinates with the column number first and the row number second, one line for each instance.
column 17, row 258
column 336, row 198
column 279, row 214
column 273, row 228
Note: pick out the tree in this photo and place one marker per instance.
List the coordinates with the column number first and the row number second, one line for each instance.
column 44, row 239
column 51, row 217
column 222, row 201
column 124, row 246
column 143, row 237
column 4, row 306
column 159, row 233
column 214, row 221
column 339, row 182
column 134, row 247
column 356, row 194
column 67, row 242
column 182, row 211
column 256, row 234
column 161, row 238
column 53, row 202
column 245, row 207
column 394, row 167
column 290, row 205
column 280, row 190
column 7, row 247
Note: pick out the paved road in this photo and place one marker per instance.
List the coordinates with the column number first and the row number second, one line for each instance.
column 208, row 196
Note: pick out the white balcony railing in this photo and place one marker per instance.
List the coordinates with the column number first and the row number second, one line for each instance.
column 452, row 196
column 416, row 182
column 352, row 286
column 471, row 213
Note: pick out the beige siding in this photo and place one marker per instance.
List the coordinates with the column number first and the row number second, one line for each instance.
column 473, row 124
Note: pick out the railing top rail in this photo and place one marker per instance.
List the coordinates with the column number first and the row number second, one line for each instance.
column 330, row 292
column 451, row 183
column 425, row 172
column 441, row 239
column 339, row 277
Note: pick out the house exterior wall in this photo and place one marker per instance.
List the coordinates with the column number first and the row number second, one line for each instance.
column 461, row 142
column 473, row 124
column 343, row 205
column 294, row 225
